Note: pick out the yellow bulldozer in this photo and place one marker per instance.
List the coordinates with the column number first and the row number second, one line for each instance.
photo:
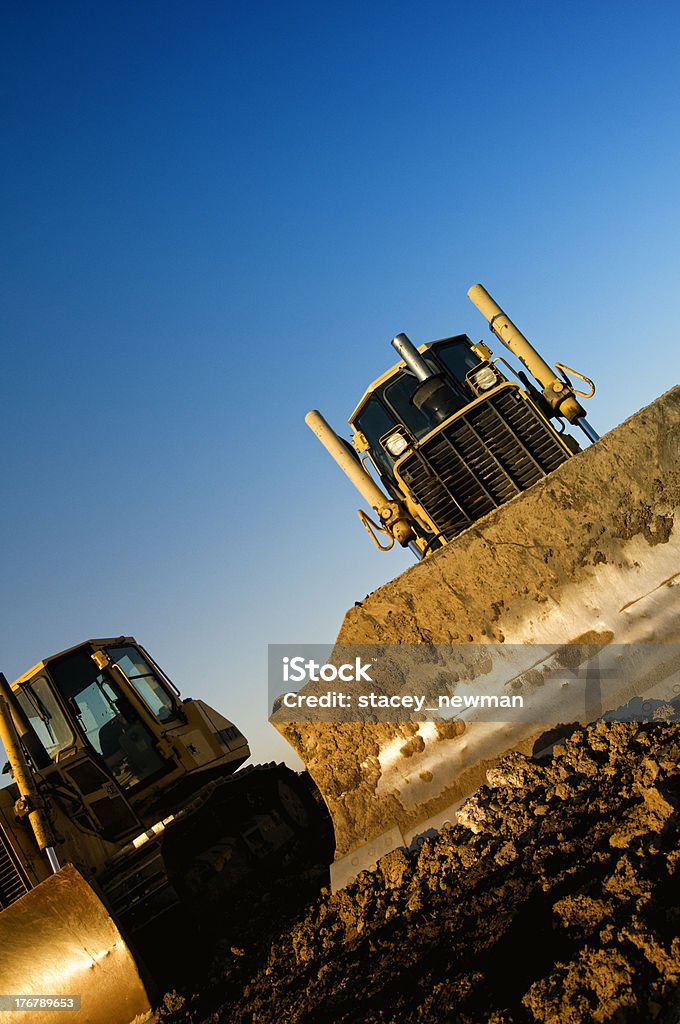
column 452, row 433
column 125, row 805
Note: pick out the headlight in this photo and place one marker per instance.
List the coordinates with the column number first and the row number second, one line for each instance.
column 484, row 378
column 396, row 444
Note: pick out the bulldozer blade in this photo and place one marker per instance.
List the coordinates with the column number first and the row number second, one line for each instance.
column 589, row 555
column 59, row 942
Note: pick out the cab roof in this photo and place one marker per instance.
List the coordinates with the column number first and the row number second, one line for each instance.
column 92, row 644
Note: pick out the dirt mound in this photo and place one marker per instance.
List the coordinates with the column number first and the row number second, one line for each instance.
column 555, row 900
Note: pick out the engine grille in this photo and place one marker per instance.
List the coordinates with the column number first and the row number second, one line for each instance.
column 12, row 884
column 481, row 459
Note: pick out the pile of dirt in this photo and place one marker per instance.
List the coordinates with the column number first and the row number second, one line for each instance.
column 554, row 900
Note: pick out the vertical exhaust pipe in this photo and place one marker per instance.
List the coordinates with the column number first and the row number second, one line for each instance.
column 433, row 396
column 412, row 357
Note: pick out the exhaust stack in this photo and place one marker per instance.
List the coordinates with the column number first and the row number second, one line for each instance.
column 433, row 396
column 412, row 357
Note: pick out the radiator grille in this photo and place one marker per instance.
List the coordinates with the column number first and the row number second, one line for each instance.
column 481, row 459
column 12, row 884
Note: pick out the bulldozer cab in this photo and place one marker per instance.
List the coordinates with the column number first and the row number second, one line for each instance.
column 104, row 723
column 81, row 703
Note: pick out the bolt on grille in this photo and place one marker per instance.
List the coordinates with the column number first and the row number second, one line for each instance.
column 481, row 459
column 12, row 884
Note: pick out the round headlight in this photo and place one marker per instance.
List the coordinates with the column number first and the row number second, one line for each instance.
column 396, row 444
column 484, row 378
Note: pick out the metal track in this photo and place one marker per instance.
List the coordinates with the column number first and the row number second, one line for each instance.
column 258, row 820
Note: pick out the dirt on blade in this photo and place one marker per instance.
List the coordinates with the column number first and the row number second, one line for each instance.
column 554, row 900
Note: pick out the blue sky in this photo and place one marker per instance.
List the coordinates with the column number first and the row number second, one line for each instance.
column 216, row 215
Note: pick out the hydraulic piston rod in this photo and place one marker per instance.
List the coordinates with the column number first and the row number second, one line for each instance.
column 30, row 800
column 368, row 489
column 555, row 390
column 391, row 513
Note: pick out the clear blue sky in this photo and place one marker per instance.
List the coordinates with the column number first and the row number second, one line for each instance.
column 216, row 215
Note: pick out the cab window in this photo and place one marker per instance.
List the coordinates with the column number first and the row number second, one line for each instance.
column 457, row 358
column 141, row 675
column 374, row 421
column 398, row 394
column 110, row 724
column 48, row 720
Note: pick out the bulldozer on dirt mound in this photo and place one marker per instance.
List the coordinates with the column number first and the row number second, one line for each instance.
column 125, row 806
column 523, row 540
